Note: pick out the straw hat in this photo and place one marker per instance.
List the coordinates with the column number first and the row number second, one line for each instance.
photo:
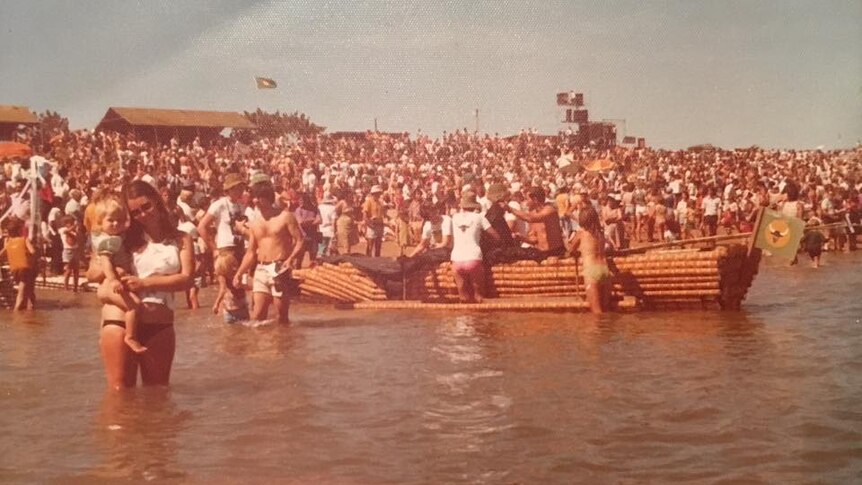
column 376, row 189
column 497, row 192
column 232, row 180
column 468, row 201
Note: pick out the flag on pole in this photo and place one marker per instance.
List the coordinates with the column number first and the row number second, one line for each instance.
column 779, row 234
column 265, row 83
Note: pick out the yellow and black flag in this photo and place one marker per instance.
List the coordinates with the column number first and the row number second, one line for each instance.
column 779, row 234
column 265, row 83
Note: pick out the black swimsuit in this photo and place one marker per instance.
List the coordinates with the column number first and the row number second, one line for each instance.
column 145, row 332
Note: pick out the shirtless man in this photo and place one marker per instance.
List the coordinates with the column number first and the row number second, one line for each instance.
column 545, row 223
column 274, row 242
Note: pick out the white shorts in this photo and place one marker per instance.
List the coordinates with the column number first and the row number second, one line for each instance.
column 263, row 279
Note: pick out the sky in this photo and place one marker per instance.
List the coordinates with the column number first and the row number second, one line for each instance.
column 781, row 73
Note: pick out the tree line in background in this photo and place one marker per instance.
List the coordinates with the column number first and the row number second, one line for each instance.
column 278, row 124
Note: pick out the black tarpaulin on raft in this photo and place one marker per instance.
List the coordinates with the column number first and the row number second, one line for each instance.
column 391, row 272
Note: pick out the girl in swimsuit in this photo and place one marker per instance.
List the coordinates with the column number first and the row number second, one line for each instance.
column 591, row 242
column 163, row 263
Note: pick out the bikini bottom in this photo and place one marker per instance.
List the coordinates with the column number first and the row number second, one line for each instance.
column 145, row 332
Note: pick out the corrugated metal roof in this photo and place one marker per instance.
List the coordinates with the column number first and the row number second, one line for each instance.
column 17, row 114
column 177, row 117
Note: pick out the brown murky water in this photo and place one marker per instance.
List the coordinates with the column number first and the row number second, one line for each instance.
column 772, row 394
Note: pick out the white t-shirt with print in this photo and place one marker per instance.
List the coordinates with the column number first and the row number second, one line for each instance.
column 225, row 213
column 467, row 228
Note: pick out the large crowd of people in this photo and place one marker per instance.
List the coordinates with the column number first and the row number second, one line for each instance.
column 154, row 218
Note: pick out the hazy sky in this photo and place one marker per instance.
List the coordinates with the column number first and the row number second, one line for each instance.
column 733, row 73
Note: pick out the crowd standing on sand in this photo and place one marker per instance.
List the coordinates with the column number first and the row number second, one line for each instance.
column 152, row 218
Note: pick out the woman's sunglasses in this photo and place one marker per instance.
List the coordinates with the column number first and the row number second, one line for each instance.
column 143, row 209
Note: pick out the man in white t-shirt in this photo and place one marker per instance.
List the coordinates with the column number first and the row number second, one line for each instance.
column 229, row 216
column 467, row 228
column 327, row 223
column 711, row 206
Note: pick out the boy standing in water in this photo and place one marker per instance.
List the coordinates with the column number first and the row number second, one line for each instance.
column 274, row 243
column 69, row 236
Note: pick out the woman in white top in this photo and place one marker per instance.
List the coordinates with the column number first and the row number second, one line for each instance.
column 467, row 228
column 163, row 262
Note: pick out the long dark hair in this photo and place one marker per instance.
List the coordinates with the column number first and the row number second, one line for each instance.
column 135, row 235
column 588, row 219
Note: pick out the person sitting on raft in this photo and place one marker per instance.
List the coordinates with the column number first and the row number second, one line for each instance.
column 545, row 223
column 590, row 240
column 436, row 232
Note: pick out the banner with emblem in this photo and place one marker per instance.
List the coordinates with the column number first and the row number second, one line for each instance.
column 779, row 234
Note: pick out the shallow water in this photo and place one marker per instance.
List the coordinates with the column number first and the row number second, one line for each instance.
column 772, row 394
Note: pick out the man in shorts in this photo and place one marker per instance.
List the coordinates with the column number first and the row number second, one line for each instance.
column 373, row 214
column 274, row 242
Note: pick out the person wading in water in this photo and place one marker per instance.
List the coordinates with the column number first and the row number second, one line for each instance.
column 274, row 243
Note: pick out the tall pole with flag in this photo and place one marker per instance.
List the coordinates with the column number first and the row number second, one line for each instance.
column 265, row 83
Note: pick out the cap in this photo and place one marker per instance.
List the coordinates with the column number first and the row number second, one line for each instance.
column 260, row 178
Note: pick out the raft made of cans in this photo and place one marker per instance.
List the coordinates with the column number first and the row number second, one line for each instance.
column 717, row 278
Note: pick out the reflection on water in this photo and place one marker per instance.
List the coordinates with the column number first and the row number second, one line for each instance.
column 136, row 434
column 770, row 394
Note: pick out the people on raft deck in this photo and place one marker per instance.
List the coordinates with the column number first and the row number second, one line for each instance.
column 162, row 263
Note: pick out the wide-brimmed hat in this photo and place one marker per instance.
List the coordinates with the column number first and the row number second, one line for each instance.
column 232, row 180
column 376, row 189
column 468, row 201
column 497, row 192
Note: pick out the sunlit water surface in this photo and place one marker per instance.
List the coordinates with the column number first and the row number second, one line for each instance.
column 772, row 394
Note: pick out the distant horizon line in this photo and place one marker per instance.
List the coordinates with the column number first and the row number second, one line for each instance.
column 73, row 127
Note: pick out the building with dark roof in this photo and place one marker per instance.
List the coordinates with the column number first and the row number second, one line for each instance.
column 13, row 116
column 163, row 124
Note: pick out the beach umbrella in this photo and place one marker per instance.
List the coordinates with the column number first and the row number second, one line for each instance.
column 599, row 165
column 13, row 149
